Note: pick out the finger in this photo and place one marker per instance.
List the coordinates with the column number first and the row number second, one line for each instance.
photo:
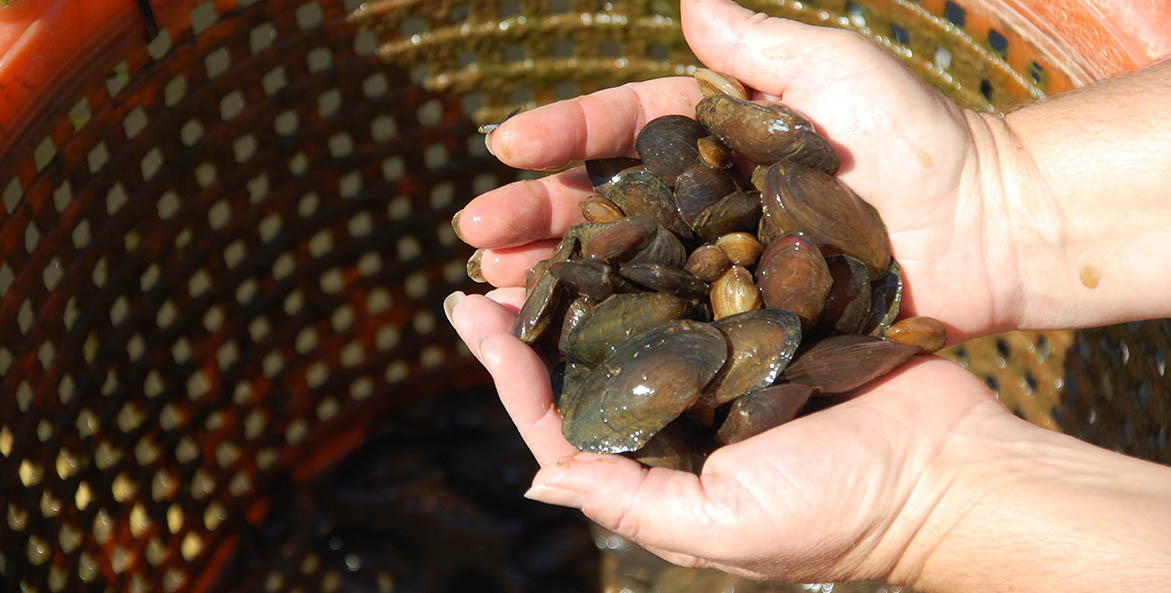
column 598, row 125
column 510, row 297
column 767, row 53
column 510, row 266
column 669, row 510
column 523, row 384
column 475, row 316
column 524, row 211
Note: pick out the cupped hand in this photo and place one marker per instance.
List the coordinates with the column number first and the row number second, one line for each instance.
column 841, row 494
column 904, row 148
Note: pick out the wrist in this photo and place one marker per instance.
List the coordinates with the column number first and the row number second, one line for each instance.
column 1023, row 508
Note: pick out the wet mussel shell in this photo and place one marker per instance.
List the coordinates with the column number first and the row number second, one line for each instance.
column 647, row 382
column 761, row 410
column 844, row 363
column 616, row 319
column 886, row 295
column 639, row 192
column 663, row 278
column 766, row 133
column 793, row 275
column 668, row 145
column 682, row 445
column 924, row 332
column 847, row 306
column 797, row 198
column 761, row 344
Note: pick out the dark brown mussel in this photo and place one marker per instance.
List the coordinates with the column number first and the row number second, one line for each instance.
column 760, row 410
column 574, row 313
column 564, row 377
column 793, row 275
column 638, row 192
column 616, row 319
column 738, row 211
column 667, row 145
column 766, row 133
column 797, row 198
column 842, row 363
column 663, row 278
column 592, row 279
column 761, row 344
column 681, row 445
column 619, row 240
column 663, row 247
column 647, row 382
column 886, row 294
column 734, row 292
column 925, row 332
column 604, row 172
column 540, row 307
column 599, row 209
column 847, row 307
column 698, row 188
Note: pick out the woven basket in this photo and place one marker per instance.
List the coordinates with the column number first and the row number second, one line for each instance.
column 224, row 240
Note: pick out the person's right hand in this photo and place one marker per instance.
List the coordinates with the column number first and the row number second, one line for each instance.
column 904, row 148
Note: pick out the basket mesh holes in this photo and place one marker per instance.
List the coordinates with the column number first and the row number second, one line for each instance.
column 235, row 253
column 286, row 122
column 227, row 355
column 342, row 318
column 413, row 25
column 151, row 163
column 52, row 274
column 423, row 322
column 611, row 48
column 118, row 79
column 514, row 53
column 45, row 354
column 942, row 58
column 329, row 103
column 508, row 9
column 350, row 184
column 192, row 545
column 466, row 59
column 294, row 302
column 435, row 156
column 568, row 89
column 231, row 105
column 217, row 61
column 181, row 351
column 306, row 340
column 80, row 114
column 986, row 88
column 455, row 271
column 24, row 319
column 320, row 243
column 273, row 81
column 1037, row 73
column 900, row 34
column 203, row 17
column 13, row 192
column 396, row 371
column 134, row 122
column 44, row 153
column 399, row 208
column 383, row 128
column 205, row 174
column 308, row 205
column 370, row 263
column 261, row 37
column 245, row 291
column 378, row 301
column 998, row 42
column 309, row 15
column 430, row 113
column 5, row 435
column 319, row 59
column 160, row 45
column 332, row 282
column 244, row 147
column 6, row 278
column 32, row 236
column 365, row 43
column 190, row 133
column 341, row 145
column 521, row 96
column 258, row 188
column 283, row 266
column 375, row 85
column 954, row 13
column 393, row 169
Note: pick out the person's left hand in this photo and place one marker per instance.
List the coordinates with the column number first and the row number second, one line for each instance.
column 837, row 495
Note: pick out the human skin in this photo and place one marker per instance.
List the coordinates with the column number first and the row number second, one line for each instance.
column 1053, row 216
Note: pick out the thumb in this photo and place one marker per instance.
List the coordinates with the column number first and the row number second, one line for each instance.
column 767, row 53
column 673, row 511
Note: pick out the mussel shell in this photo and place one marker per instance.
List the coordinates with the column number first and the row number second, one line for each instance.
column 698, row 188
column 616, row 319
column 663, row 278
column 619, row 240
column 574, row 313
column 604, row 172
column 714, row 153
column 847, row 307
column 734, row 292
column 742, row 248
column 760, row 410
column 565, row 377
column 681, row 445
column 766, row 133
column 647, row 382
column 797, row 198
column 925, row 332
column 592, row 279
column 886, row 294
column 667, row 145
column 738, row 211
column 638, row 192
column 761, row 344
column 707, row 262
column 599, row 209
column 793, row 275
column 663, row 247
column 714, row 83
column 842, row 363
column 540, row 308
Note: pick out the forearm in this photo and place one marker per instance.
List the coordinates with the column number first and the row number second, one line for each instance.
column 1033, row 510
column 1084, row 203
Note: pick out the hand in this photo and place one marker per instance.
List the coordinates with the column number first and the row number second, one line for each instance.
column 904, row 148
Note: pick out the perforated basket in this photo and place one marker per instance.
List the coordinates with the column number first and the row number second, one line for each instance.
column 223, row 249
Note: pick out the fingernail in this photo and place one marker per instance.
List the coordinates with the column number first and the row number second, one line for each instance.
column 474, row 271
column 451, row 302
column 480, row 348
column 455, row 225
column 557, row 496
column 488, row 143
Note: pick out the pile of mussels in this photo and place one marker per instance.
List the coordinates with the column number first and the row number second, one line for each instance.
column 695, row 309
